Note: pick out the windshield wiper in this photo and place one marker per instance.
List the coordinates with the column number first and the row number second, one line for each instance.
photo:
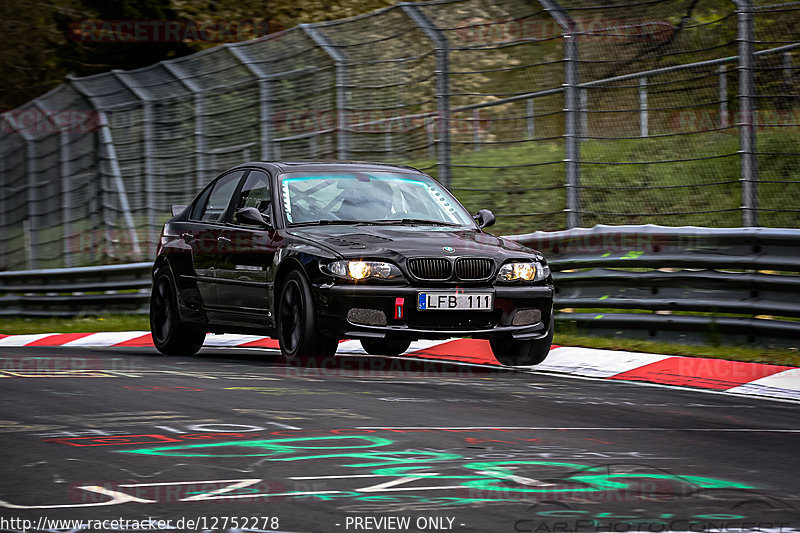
column 410, row 222
column 325, row 223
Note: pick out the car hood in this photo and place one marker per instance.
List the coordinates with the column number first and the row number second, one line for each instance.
column 356, row 242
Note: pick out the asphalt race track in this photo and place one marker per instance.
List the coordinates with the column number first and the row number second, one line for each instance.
column 234, row 439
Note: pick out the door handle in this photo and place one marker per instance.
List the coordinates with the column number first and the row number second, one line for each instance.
column 224, row 239
column 187, row 236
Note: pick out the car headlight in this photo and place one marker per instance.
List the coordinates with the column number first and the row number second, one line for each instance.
column 523, row 271
column 363, row 269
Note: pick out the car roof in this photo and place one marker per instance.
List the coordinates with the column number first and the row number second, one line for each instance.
column 351, row 166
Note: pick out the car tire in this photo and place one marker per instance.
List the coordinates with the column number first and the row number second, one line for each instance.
column 509, row 352
column 170, row 335
column 297, row 322
column 384, row 346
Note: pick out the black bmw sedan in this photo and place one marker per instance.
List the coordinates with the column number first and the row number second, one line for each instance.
column 315, row 252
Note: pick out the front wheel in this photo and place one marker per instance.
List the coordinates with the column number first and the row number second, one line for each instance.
column 297, row 323
column 510, row 352
column 170, row 335
column 384, row 347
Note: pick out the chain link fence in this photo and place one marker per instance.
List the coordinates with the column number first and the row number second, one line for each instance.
column 673, row 112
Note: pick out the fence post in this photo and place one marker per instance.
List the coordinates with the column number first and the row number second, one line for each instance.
column 643, row 126
column 442, row 53
column 29, row 227
column 388, row 138
column 476, row 126
column 264, row 99
column 199, row 120
column 106, row 142
column 149, row 157
column 342, row 86
column 119, row 185
column 788, row 81
column 572, row 106
column 63, row 177
column 583, row 109
column 723, row 96
column 531, row 123
column 3, row 202
column 66, row 195
column 429, row 127
column 28, row 235
column 747, row 114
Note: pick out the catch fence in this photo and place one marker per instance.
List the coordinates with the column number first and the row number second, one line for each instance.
column 552, row 115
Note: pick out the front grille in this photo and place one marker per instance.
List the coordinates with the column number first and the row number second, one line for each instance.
column 367, row 317
column 472, row 268
column 430, row 268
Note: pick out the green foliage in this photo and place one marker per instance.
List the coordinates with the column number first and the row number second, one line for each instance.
column 657, row 193
column 774, row 356
column 43, row 43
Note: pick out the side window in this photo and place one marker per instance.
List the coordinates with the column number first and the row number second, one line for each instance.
column 220, row 197
column 198, row 206
column 257, row 193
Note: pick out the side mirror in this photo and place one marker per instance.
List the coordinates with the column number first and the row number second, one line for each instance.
column 485, row 218
column 252, row 217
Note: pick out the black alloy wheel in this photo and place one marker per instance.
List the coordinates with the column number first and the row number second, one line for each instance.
column 170, row 335
column 510, row 352
column 297, row 323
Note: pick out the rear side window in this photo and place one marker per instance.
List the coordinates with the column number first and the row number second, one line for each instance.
column 198, row 206
column 220, row 197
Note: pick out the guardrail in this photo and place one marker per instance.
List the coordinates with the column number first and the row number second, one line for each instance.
column 76, row 291
column 677, row 284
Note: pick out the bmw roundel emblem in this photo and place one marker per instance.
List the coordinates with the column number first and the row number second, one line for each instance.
column 449, row 249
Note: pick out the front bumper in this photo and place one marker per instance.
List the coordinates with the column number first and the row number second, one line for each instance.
column 335, row 301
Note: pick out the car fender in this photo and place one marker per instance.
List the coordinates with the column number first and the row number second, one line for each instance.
column 190, row 303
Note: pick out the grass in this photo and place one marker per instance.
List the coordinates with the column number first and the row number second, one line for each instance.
column 21, row 326
column 774, row 356
column 11, row 326
column 615, row 191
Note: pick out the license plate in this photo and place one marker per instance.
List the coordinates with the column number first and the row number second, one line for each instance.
column 452, row 301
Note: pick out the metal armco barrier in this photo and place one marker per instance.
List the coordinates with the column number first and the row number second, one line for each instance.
column 741, row 285
column 677, row 284
column 76, row 291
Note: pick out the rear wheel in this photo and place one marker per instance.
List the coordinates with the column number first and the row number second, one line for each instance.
column 510, row 352
column 297, row 323
column 384, row 346
column 170, row 335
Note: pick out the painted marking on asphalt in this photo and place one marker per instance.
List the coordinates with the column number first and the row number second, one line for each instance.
column 61, row 374
column 22, row 340
column 595, row 363
column 786, row 384
column 262, row 343
column 231, row 339
column 58, row 339
column 109, row 338
column 468, row 350
column 143, row 341
column 719, row 374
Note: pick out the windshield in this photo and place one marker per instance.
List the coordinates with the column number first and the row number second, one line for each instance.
column 368, row 197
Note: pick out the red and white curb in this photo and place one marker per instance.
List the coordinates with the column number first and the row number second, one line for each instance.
column 736, row 377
